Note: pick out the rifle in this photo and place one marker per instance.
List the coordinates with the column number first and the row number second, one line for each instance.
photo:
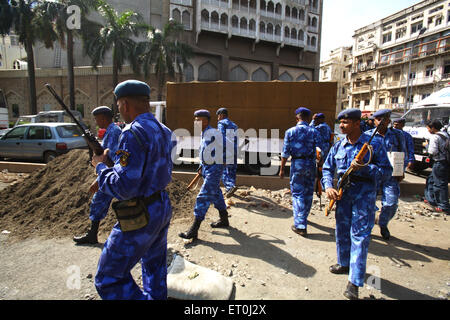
column 359, row 157
column 318, row 187
column 90, row 139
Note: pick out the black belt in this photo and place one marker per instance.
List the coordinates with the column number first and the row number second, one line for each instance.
column 154, row 197
column 303, row 158
column 353, row 178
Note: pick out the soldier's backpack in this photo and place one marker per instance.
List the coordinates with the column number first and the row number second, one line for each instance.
column 446, row 146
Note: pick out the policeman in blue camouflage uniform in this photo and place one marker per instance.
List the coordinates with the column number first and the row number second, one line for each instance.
column 355, row 211
column 399, row 124
column 319, row 123
column 228, row 129
column 300, row 143
column 142, row 170
column 394, row 141
column 100, row 201
column 211, row 161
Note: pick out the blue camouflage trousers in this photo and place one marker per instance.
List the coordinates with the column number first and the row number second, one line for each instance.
column 302, row 189
column 210, row 191
column 99, row 206
column 123, row 250
column 229, row 176
column 390, row 192
column 355, row 218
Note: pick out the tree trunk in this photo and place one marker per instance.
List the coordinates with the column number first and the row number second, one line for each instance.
column 70, row 71
column 31, row 76
column 115, row 82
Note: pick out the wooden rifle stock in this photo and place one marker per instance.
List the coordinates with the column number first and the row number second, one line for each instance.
column 359, row 158
column 194, row 181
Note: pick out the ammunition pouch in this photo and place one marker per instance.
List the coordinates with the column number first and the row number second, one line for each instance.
column 133, row 214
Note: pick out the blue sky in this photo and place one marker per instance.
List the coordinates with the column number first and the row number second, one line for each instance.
column 342, row 17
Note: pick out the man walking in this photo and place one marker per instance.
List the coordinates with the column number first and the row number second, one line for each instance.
column 355, row 211
column 300, row 143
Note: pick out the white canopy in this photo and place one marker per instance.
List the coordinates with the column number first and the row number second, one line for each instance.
column 439, row 98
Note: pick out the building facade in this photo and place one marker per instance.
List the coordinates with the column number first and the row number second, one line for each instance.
column 337, row 69
column 11, row 53
column 233, row 40
column 401, row 59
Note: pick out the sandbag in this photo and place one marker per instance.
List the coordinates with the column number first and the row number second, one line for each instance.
column 188, row 281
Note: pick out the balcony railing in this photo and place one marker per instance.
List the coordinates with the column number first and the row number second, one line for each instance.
column 440, row 45
column 270, row 14
column 364, row 88
column 215, row 3
column 270, row 37
column 183, row 2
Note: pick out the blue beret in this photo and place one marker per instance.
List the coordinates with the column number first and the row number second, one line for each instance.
column 202, row 113
column 222, row 111
column 132, row 88
column 320, row 116
column 400, row 120
column 350, row 114
column 303, row 111
column 382, row 113
column 102, row 110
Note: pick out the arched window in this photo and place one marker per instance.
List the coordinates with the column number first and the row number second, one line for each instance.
column 313, row 41
column 262, row 5
column 270, row 7
column 176, row 15
column 252, row 25
column 238, row 73
column 294, row 33
column 262, row 27
column 302, row 77
column 278, row 8
column 253, row 4
column 243, row 23
column 301, row 35
column 235, row 4
column 244, row 4
column 205, row 16
column 314, row 22
column 224, row 19
column 301, row 15
column 278, row 30
column 260, row 75
column 235, row 22
column 208, row 72
column 287, row 11
column 215, row 17
column 286, row 32
column 186, row 19
column 285, row 77
column 315, row 4
column 188, row 72
column 270, row 28
column 294, row 13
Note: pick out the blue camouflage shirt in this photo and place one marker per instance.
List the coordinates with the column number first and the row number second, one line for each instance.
column 301, row 141
column 223, row 126
column 409, row 146
column 325, row 134
column 111, row 140
column 394, row 141
column 342, row 154
column 143, row 165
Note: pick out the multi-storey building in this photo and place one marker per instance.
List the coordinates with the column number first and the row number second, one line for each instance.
column 11, row 53
column 403, row 58
column 336, row 69
column 233, row 40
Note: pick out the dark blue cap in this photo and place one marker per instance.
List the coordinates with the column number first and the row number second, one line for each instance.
column 320, row 116
column 132, row 88
column 102, row 110
column 303, row 111
column 222, row 111
column 202, row 113
column 382, row 113
column 399, row 120
column 350, row 114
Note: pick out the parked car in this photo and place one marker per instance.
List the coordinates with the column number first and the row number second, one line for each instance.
column 41, row 141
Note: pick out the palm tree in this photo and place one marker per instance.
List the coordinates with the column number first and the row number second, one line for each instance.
column 116, row 35
column 53, row 17
column 19, row 16
column 162, row 51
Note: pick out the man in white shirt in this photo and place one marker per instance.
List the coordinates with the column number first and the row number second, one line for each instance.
column 436, row 189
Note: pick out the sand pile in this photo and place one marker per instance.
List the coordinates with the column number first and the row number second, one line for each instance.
column 54, row 201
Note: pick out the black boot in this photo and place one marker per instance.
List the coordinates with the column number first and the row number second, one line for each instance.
column 385, row 233
column 192, row 233
column 338, row 269
column 351, row 292
column 223, row 222
column 90, row 237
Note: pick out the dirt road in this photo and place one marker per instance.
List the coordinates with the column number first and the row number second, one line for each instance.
column 260, row 253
